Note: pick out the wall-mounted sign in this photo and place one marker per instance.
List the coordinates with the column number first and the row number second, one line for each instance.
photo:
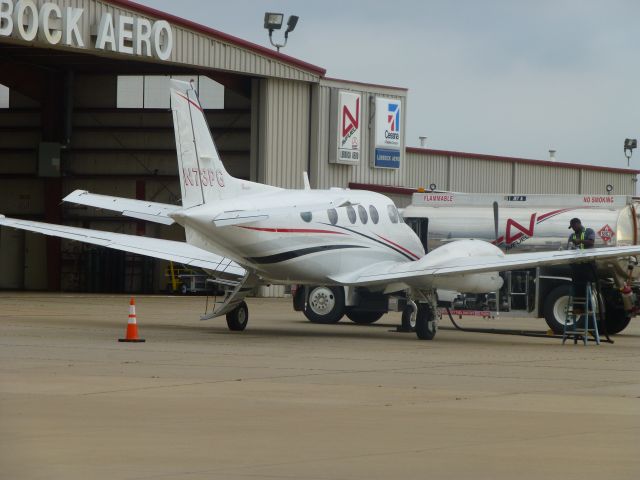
column 346, row 127
column 387, row 133
column 55, row 25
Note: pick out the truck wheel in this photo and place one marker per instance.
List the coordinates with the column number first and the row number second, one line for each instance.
column 362, row 317
column 617, row 320
column 238, row 318
column 325, row 305
column 426, row 325
column 555, row 307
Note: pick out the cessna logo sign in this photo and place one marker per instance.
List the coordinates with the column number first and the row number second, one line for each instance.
column 388, row 133
column 346, row 110
column 56, row 25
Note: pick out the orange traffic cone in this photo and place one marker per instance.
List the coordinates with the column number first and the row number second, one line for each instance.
column 132, row 326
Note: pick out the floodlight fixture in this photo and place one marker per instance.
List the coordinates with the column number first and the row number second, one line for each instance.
column 273, row 21
column 630, row 144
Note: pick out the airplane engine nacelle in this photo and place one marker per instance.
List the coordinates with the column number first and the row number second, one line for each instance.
column 472, row 283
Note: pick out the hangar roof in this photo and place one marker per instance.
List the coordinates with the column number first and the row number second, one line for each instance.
column 217, row 34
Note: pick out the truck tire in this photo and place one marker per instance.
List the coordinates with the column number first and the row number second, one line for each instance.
column 555, row 307
column 617, row 320
column 426, row 325
column 325, row 304
column 363, row 317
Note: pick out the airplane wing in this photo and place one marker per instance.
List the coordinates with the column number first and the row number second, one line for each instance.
column 180, row 252
column 140, row 209
column 239, row 217
column 421, row 272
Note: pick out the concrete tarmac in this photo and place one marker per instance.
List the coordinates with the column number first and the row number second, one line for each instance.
column 289, row 399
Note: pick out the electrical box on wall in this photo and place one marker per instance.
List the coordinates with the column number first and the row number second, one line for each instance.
column 49, row 159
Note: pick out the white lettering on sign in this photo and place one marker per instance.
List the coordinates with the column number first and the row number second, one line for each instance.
column 106, row 34
column 50, row 23
column 25, row 18
column 55, row 25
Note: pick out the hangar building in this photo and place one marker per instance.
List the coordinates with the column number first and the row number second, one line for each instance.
column 84, row 105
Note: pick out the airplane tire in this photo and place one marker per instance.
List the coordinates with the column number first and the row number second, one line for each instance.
column 426, row 325
column 325, row 305
column 406, row 325
column 238, row 318
column 555, row 305
column 362, row 317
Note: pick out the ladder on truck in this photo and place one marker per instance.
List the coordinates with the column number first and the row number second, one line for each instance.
column 580, row 318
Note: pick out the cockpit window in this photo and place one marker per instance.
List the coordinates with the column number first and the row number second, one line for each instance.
column 373, row 213
column 362, row 213
column 333, row 216
column 306, row 216
column 393, row 213
column 351, row 213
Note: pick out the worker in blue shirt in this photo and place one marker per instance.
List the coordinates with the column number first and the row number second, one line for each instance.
column 581, row 237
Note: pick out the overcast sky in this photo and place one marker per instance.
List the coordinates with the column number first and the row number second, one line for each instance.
column 502, row 77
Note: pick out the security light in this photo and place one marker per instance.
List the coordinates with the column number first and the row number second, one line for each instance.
column 291, row 25
column 273, row 21
column 629, row 145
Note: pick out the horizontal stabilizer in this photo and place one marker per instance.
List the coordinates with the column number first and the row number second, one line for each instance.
column 179, row 252
column 140, row 209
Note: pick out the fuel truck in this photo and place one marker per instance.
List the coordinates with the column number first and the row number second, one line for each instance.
column 515, row 223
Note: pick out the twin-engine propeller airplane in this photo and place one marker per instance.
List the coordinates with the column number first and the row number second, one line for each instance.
column 247, row 234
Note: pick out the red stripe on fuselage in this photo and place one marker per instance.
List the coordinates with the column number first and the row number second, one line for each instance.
column 291, row 230
column 191, row 102
column 400, row 247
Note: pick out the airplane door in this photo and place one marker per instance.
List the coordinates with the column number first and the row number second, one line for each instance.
column 421, row 227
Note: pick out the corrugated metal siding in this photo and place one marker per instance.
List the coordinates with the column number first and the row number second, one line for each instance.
column 325, row 174
column 487, row 176
column 424, row 170
column 596, row 182
column 189, row 47
column 545, row 179
column 473, row 175
column 285, row 120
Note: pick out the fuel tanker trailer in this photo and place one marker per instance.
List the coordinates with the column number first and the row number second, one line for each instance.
column 515, row 223
column 527, row 223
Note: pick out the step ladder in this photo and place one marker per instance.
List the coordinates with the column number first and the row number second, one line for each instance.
column 581, row 309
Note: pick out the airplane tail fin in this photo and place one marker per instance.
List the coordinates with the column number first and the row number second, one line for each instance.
column 203, row 178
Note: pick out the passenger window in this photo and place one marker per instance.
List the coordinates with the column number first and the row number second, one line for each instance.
column 306, row 216
column 373, row 213
column 333, row 216
column 362, row 213
column 393, row 213
column 351, row 213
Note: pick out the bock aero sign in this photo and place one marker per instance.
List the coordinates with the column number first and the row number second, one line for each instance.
column 55, row 25
column 387, row 133
column 346, row 112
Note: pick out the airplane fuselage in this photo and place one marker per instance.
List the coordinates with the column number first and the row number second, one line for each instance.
column 306, row 245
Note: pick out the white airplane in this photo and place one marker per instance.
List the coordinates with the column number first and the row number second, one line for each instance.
column 247, row 234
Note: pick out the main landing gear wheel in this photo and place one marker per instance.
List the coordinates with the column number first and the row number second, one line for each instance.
column 325, row 305
column 408, row 324
column 426, row 324
column 362, row 317
column 238, row 318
